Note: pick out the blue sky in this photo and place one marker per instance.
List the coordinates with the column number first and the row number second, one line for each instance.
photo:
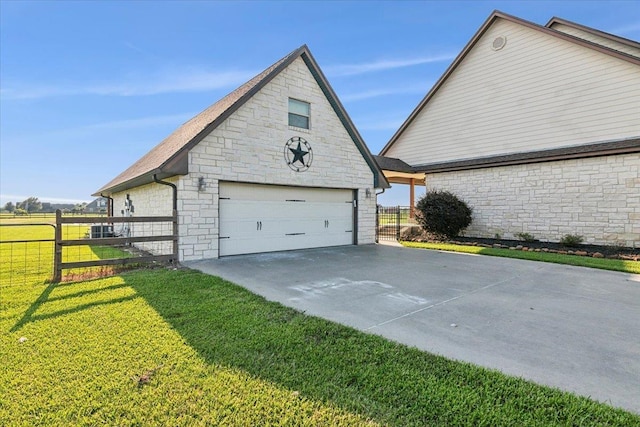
column 86, row 88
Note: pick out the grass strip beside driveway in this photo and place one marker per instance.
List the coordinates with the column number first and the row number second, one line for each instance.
column 166, row 347
column 581, row 261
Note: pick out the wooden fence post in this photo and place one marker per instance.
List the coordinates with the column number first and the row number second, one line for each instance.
column 57, row 254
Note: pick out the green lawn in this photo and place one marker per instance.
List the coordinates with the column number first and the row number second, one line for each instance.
column 177, row 347
column 602, row 263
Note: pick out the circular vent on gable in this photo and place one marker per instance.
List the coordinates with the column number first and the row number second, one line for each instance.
column 499, row 42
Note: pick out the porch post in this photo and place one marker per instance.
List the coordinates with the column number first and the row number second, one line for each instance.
column 411, row 197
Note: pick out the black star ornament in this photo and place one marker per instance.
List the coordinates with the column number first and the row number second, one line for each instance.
column 298, row 154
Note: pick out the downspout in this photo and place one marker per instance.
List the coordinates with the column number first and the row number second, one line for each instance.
column 175, row 216
column 109, row 206
column 175, row 190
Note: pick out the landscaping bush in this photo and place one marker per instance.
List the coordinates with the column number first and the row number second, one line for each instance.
column 571, row 240
column 526, row 237
column 442, row 213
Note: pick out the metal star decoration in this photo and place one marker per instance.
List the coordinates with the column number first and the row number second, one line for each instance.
column 298, row 154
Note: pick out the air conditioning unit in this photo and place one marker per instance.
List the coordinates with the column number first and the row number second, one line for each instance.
column 101, row 231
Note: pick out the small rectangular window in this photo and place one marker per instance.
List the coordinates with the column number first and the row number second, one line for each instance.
column 299, row 113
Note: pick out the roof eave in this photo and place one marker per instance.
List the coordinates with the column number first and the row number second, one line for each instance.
column 610, row 148
column 628, row 42
column 144, row 179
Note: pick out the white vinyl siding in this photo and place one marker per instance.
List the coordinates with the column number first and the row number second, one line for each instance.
column 538, row 92
column 603, row 41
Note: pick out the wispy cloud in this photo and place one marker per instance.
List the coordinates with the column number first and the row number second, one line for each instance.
column 142, row 122
column 376, row 93
column 168, row 81
column 78, row 133
column 381, row 65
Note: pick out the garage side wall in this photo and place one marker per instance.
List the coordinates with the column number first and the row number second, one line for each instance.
column 249, row 147
column 597, row 198
column 148, row 200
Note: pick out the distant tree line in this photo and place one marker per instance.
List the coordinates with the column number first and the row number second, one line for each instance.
column 32, row 205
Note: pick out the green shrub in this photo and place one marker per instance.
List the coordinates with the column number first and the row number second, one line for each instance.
column 571, row 240
column 526, row 237
column 442, row 213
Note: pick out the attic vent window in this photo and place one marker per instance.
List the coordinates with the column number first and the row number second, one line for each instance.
column 299, row 113
column 499, row 42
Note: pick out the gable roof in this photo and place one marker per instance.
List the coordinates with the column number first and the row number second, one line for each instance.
column 483, row 29
column 170, row 157
column 94, row 202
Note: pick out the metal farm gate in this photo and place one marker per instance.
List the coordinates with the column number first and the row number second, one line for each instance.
column 391, row 219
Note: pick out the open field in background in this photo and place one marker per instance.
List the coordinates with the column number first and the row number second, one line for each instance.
column 32, row 262
column 41, row 216
column 177, row 347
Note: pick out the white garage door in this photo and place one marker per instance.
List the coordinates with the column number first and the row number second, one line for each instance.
column 264, row 218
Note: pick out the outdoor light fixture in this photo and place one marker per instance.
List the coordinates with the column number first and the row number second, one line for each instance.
column 201, row 184
column 367, row 193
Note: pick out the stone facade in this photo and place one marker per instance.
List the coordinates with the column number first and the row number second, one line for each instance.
column 249, row 147
column 597, row 198
column 148, row 200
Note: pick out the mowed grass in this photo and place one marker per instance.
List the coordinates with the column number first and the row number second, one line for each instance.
column 177, row 347
column 581, row 261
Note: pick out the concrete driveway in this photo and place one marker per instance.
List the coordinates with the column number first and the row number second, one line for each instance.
column 574, row 328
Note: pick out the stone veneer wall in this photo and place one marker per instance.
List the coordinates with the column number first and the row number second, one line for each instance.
column 597, row 198
column 249, row 147
column 148, row 200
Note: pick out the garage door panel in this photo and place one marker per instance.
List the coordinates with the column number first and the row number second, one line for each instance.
column 284, row 218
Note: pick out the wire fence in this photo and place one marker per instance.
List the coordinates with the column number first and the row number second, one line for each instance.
column 26, row 253
column 69, row 247
column 97, row 246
